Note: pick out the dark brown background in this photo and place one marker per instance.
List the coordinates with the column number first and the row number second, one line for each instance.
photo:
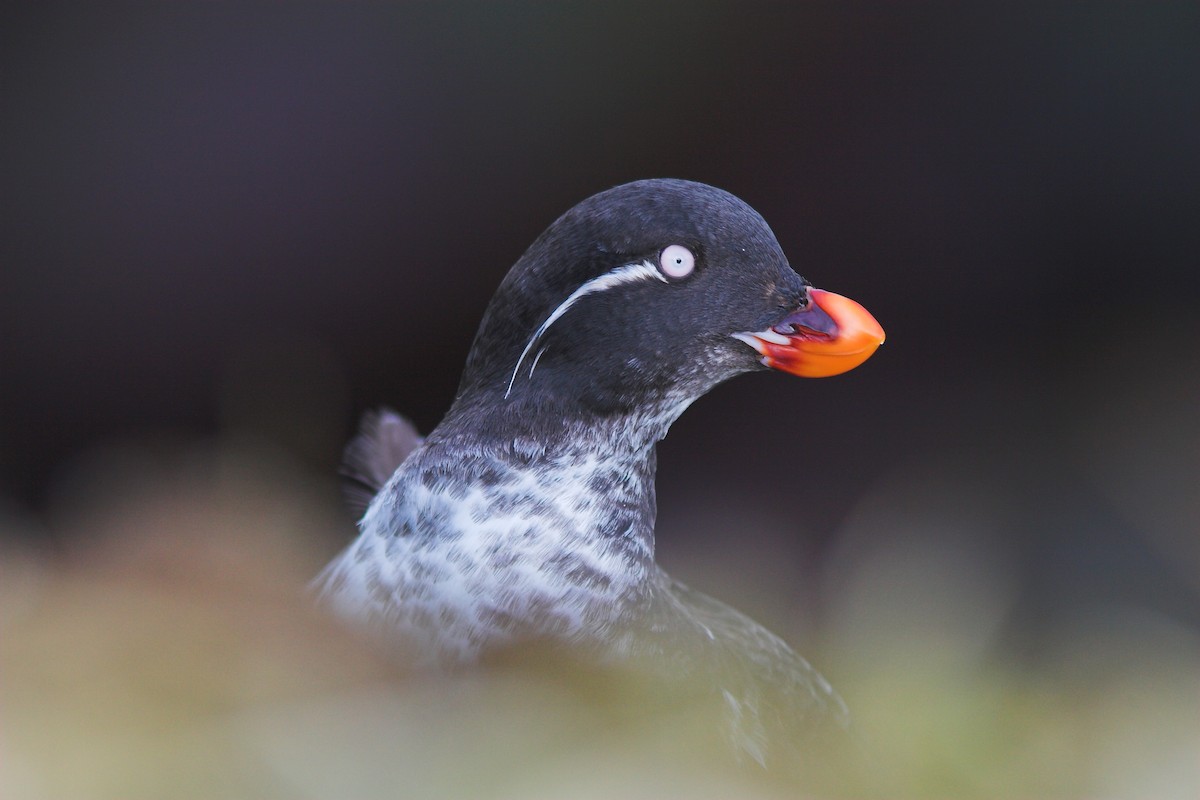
column 269, row 217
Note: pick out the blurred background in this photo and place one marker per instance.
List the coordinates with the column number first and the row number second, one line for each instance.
column 229, row 229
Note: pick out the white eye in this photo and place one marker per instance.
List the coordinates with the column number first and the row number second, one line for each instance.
column 677, row 261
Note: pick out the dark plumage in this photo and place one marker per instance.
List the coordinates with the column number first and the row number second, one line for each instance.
column 528, row 513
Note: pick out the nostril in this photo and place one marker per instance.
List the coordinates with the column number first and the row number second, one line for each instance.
column 791, row 302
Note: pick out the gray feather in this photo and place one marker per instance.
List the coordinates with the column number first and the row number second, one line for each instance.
column 384, row 440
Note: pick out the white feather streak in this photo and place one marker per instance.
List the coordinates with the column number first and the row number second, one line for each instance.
column 629, row 273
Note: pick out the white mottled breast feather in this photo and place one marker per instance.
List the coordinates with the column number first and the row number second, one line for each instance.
column 446, row 569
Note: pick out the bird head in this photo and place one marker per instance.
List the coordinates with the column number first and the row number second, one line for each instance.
column 653, row 292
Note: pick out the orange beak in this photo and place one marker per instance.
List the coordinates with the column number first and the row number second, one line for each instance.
column 829, row 336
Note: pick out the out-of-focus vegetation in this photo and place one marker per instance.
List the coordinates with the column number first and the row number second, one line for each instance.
column 256, row 219
column 169, row 650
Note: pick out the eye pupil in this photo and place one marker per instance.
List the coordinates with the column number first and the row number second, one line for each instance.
column 676, row 261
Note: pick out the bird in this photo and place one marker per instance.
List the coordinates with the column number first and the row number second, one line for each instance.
column 528, row 512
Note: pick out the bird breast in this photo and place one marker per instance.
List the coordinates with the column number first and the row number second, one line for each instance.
column 464, row 551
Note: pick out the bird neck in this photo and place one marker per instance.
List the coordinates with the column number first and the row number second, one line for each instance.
column 601, row 465
column 562, row 425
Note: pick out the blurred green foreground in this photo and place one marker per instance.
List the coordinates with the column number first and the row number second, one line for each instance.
column 169, row 650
